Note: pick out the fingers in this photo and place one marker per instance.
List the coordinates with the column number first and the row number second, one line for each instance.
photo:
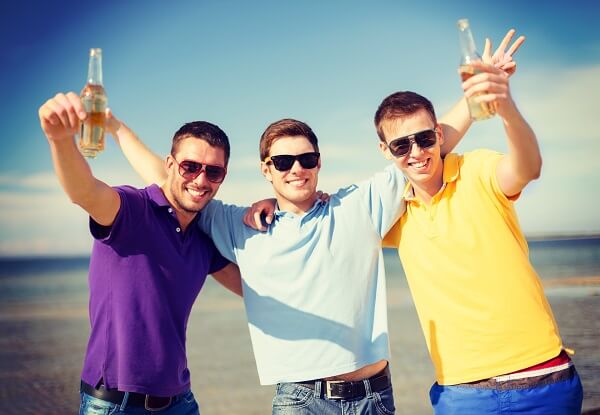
column 509, row 35
column 63, row 110
column 258, row 221
column 487, row 51
column 515, row 46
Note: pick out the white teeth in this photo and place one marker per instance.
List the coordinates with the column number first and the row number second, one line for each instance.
column 297, row 183
column 196, row 193
column 420, row 164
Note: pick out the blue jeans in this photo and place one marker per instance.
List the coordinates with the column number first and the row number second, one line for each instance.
column 294, row 399
column 93, row 406
column 559, row 393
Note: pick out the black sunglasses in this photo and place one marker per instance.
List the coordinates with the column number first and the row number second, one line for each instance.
column 401, row 146
column 284, row 162
column 189, row 170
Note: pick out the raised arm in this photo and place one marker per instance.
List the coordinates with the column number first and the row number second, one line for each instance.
column 523, row 162
column 457, row 121
column 60, row 118
column 148, row 165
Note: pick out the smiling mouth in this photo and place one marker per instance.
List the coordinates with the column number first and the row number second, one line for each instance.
column 297, row 182
column 420, row 165
column 197, row 193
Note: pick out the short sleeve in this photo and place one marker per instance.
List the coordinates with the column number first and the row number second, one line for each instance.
column 384, row 199
column 132, row 202
column 224, row 225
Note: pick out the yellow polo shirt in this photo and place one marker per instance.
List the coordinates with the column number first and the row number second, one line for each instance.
column 480, row 302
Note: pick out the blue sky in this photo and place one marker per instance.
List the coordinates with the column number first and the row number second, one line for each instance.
column 243, row 65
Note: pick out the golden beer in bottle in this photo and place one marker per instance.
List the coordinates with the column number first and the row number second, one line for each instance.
column 93, row 98
column 478, row 110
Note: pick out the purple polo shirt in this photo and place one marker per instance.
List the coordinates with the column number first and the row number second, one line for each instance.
column 145, row 274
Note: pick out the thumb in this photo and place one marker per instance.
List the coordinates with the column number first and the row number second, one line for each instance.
column 487, row 51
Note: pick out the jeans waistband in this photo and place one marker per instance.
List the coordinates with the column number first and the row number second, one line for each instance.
column 337, row 389
column 524, row 382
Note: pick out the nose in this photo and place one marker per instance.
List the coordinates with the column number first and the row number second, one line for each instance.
column 201, row 178
column 296, row 166
column 414, row 147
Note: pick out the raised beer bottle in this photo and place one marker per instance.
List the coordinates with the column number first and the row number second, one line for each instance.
column 93, row 97
column 478, row 110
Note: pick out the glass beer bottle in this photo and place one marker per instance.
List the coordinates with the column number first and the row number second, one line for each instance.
column 478, row 110
column 93, row 98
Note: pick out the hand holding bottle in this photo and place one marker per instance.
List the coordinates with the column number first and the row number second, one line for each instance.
column 61, row 116
column 490, row 86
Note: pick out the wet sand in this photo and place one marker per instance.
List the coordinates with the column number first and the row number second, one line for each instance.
column 42, row 346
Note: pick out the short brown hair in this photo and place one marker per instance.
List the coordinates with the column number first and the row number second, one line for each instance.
column 206, row 131
column 282, row 128
column 401, row 104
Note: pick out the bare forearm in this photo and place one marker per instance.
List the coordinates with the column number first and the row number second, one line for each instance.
column 523, row 150
column 148, row 165
column 454, row 125
column 73, row 172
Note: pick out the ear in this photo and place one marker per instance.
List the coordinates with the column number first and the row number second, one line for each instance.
column 440, row 133
column 169, row 161
column 385, row 150
column 266, row 171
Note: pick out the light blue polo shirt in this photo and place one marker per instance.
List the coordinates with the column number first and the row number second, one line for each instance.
column 314, row 284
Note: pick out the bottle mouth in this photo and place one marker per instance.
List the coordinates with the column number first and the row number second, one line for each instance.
column 462, row 24
column 95, row 52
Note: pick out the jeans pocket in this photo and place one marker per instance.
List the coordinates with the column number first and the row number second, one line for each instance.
column 94, row 406
column 384, row 401
column 292, row 396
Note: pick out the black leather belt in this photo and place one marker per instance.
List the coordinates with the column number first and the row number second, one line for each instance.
column 336, row 389
column 149, row 402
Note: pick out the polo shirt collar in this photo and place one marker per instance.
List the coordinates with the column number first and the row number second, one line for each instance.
column 451, row 170
column 283, row 213
column 157, row 196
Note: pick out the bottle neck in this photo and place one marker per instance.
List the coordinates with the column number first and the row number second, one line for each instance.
column 467, row 43
column 95, row 68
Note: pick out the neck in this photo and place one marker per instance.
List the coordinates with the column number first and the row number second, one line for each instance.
column 184, row 217
column 297, row 208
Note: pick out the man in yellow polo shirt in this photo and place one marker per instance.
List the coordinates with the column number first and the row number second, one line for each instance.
column 488, row 326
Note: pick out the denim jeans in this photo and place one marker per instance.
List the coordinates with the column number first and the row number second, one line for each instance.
column 294, row 399
column 554, row 394
column 93, row 406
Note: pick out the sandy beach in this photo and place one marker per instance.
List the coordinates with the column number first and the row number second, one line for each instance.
column 42, row 346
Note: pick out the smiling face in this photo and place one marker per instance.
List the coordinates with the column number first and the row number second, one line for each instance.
column 295, row 189
column 423, row 167
column 187, row 196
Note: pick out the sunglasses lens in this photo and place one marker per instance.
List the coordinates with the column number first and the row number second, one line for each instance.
column 309, row 160
column 283, row 162
column 400, row 147
column 215, row 174
column 190, row 169
column 426, row 139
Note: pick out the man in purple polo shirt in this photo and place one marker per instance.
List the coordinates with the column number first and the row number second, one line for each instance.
column 148, row 263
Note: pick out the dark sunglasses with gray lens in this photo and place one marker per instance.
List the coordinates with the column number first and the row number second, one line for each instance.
column 401, row 146
column 284, row 162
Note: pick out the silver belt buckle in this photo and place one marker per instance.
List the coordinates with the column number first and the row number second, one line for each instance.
column 328, row 393
column 151, row 409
